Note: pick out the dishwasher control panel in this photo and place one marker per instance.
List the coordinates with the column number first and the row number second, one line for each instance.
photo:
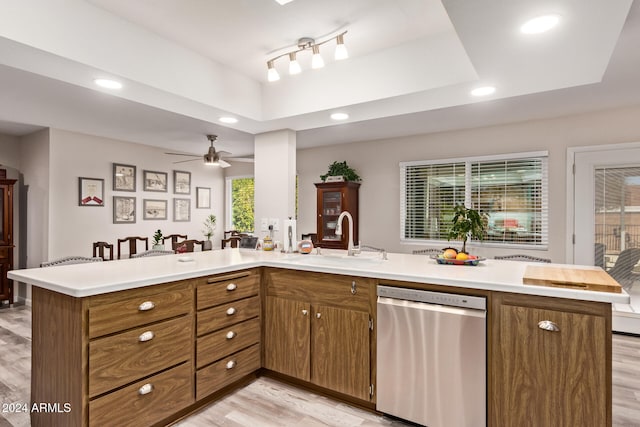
column 430, row 297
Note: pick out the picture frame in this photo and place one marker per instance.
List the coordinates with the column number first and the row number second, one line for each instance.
column 124, row 210
column 181, row 210
column 154, row 209
column 124, row 177
column 203, row 197
column 154, row 181
column 90, row 191
column 181, row 182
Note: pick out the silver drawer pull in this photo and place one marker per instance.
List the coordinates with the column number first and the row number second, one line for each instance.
column 145, row 389
column 146, row 336
column 548, row 325
column 318, row 315
column 231, row 364
column 146, row 306
column 232, row 287
column 231, row 311
column 305, row 312
column 231, row 335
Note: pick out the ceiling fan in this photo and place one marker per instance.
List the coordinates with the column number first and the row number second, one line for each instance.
column 211, row 157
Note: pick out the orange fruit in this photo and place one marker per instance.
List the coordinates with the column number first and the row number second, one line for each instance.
column 462, row 256
column 449, row 253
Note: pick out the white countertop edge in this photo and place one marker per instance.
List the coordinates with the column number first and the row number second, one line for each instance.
column 500, row 276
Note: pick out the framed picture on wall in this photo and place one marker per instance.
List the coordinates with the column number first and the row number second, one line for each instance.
column 124, row 210
column 154, row 181
column 90, row 191
column 124, row 177
column 154, row 209
column 181, row 182
column 203, row 197
column 181, row 210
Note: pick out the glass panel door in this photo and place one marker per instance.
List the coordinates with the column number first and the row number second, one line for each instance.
column 331, row 209
column 607, row 224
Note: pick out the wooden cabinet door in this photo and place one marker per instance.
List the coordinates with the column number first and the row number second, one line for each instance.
column 550, row 378
column 287, row 338
column 340, row 351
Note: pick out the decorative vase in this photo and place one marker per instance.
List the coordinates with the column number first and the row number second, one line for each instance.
column 157, row 247
column 207, row 245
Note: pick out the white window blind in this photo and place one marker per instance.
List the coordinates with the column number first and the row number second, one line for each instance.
column 510, row 190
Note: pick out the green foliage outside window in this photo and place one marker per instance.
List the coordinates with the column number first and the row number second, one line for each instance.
column 242, row 206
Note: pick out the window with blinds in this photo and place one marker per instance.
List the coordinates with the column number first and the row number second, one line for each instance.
column 510, row 190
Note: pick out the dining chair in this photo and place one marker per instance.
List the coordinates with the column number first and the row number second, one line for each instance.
column 133, row 244
column 187, row 245
column 70, row 260
column 99, row 249
column 174, row 238
column 233, row 242
column 152, row 252
column 519, row 257
column 622, row 270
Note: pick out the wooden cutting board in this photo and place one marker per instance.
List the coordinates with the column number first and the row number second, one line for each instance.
column 588, row 280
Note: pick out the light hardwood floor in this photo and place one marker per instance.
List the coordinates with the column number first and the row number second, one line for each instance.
column 269, row 403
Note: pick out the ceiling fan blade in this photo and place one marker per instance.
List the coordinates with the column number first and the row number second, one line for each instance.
column 223, row 164
column 241, row 159
column 223, row 153
column 182, row 154
column 184, row 161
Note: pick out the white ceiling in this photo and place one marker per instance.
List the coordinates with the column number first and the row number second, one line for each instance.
column 185, row 63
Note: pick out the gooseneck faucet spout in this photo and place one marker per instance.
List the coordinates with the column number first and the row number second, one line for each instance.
column 351, row 250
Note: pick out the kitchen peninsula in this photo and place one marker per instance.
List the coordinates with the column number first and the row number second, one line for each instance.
column 153, row 339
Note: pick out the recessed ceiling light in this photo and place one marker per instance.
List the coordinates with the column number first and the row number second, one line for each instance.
column 228, row 120
column 339, row 116
column 483, row 91
column 540, row 24
column 283, row 2
column 108, row 83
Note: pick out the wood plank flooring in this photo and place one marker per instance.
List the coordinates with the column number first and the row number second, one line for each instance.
column 269, row 403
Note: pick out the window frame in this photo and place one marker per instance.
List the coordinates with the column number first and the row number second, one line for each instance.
column 469, row 161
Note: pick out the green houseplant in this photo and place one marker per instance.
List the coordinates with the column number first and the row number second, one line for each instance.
column 341, row 169
column 209, row 228
column 467, row 223
column 157, row 240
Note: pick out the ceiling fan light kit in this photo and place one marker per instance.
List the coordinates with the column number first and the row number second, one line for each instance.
column 307, row 43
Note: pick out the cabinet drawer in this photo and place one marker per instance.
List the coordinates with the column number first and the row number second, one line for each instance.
column 120, row 359
column 226, row 371
column 224, row 315
column 321, row 288
column 216, row 290
column 145, row 402
column 226, row 341
column 124, row 312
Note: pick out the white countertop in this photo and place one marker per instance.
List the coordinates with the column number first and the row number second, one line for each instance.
column 82, row 280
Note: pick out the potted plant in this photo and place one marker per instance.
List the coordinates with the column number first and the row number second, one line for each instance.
column 209, row 227
column 158, row 243
column 467, row 223
column 341, row 169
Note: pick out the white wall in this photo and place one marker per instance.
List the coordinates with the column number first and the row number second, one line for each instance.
column 377, row 162
column 74, row 228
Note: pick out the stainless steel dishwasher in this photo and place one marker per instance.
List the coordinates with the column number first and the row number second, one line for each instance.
column 431, row 357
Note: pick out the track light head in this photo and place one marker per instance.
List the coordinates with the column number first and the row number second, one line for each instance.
column 272, row 73
column 316, row 59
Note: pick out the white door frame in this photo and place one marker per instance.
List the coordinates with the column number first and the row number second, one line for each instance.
column 570, row 220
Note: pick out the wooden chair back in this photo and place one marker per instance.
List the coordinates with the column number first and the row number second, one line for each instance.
column 189, row 245
column 133, row 244
column 174, row 238
column 233, row 242
column 99, row 249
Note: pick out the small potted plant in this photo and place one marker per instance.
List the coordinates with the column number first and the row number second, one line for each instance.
column 209, row 227
column 467, row 223
column 341, row 169
column 157, row 240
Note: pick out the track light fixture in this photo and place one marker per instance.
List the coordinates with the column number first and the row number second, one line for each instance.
column 307, row 43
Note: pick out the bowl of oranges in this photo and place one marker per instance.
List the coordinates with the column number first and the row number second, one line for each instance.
column 451, row 256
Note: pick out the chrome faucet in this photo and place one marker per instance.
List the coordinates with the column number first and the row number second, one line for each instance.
column 351, row 249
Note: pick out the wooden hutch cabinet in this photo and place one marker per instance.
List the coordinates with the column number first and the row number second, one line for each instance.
column 6, row 237
column 333, row 199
